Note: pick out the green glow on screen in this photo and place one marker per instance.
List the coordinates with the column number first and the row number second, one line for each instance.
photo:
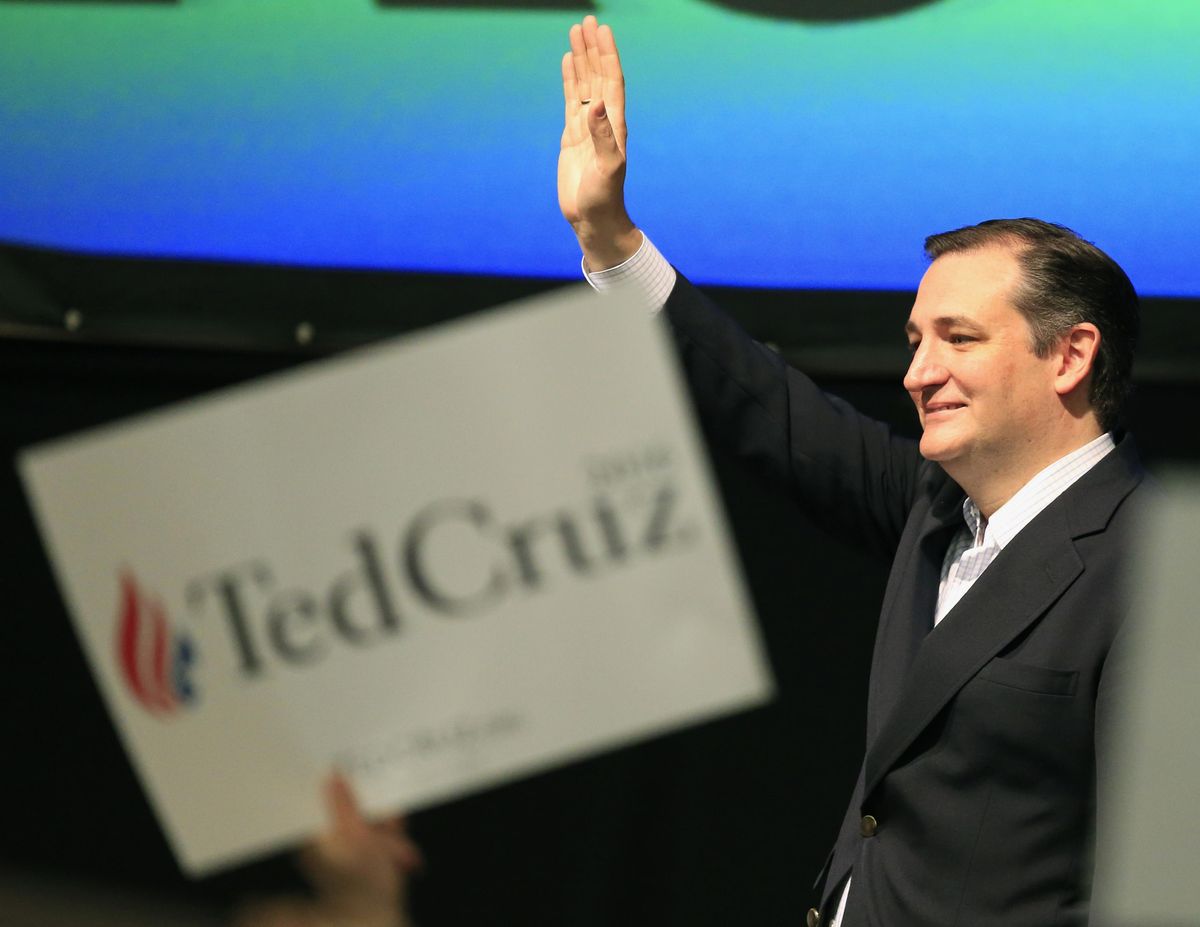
column 762, row 152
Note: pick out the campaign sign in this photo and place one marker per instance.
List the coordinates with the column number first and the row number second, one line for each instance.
column 436, row 564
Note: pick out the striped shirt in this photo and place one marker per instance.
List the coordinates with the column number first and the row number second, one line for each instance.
column 647, row 273
column 981, row 539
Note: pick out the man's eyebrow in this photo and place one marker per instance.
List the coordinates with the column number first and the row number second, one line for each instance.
column 945, row 321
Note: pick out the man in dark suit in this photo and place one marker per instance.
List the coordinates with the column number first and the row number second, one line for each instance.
column 996, row 661
column 997, row 657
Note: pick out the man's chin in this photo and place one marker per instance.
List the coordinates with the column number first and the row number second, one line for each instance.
column 937, row 451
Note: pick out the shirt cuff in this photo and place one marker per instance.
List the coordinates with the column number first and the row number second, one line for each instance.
column 647, row 273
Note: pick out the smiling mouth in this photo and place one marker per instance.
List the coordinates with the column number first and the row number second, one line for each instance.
column 943, row 409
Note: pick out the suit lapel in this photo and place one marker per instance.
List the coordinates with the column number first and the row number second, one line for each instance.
column 906, row 615
column 1019, row 586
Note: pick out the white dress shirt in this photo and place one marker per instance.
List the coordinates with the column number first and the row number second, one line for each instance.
column 647, row 273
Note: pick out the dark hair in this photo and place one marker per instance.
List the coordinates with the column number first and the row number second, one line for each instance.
column 1065, row 281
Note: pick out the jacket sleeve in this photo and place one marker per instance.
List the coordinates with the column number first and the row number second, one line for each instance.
column 850, row 472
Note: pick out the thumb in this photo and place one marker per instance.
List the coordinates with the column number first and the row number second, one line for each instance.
column 601, row 131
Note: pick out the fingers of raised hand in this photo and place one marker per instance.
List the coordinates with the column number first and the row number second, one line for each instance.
column 575, row 118
column 591, row 44
column 592, row 72
column 570, row 84
column 613, row 79
column 579, row 58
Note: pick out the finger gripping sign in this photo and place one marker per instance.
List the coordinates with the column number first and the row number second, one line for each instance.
column 437, row 564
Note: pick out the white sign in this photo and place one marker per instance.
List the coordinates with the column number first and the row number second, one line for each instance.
column 1146, row 857
column 439, row 564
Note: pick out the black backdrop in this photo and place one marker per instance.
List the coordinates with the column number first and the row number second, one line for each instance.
column 724, row 823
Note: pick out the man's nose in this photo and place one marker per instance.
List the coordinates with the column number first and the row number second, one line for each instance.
column 924, row 370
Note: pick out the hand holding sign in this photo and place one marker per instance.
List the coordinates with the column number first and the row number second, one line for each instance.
column 358, row 868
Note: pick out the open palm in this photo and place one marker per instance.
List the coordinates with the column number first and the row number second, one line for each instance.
column 591, row 162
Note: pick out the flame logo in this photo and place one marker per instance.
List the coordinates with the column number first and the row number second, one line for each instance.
column 155, row 663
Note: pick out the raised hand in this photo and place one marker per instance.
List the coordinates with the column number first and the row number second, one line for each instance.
column 591, row 162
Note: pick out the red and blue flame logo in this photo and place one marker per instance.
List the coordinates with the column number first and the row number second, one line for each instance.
column 155, row 663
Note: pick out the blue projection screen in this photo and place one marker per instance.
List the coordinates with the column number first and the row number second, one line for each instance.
column 772, row 144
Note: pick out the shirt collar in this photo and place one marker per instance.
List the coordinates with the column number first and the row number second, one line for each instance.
column 1046, row 486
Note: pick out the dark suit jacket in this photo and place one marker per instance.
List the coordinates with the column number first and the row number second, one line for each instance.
column 982, row 733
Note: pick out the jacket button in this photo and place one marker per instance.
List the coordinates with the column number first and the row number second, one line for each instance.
column 869, row 826
column 814, row 918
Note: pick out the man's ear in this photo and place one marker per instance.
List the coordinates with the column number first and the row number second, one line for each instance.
column 1076, row 354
